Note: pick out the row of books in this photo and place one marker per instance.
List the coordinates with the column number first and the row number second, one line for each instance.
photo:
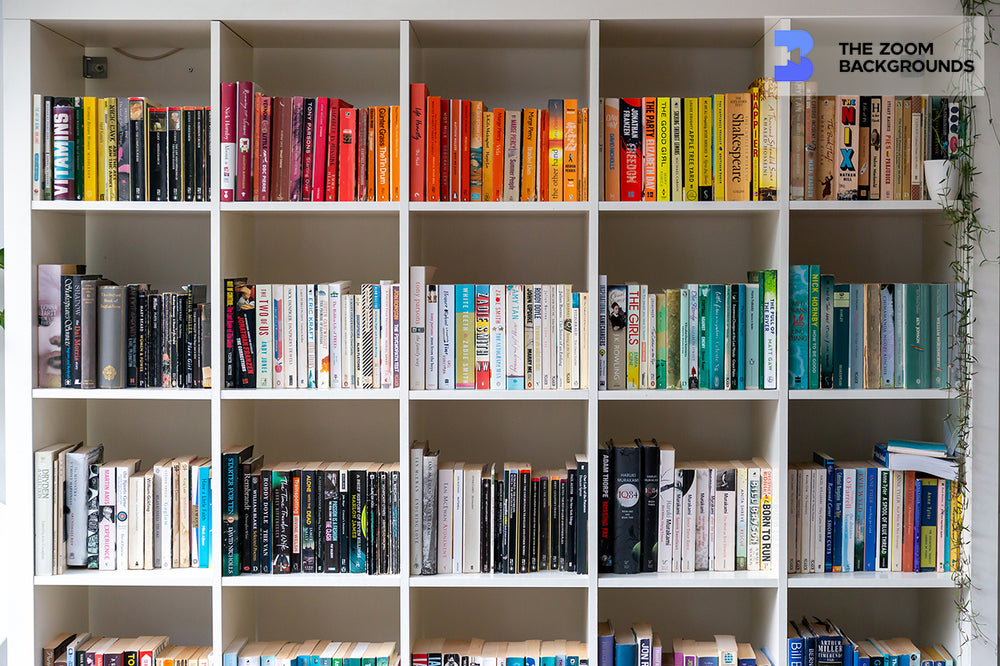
column 111, row 516
column 477, row 652
column 242, row 652
column 309, row 517
column 867, row 147
column 853, row 336
column 93, row 333
column 499, row 337
column 709, row 336
column 822, row 642
column 492, row 518
column 84, row 649
column 306, row 148
column 865, row 516
column 658, row 515
column 312, row 335
column 462, row 151
column 722, row 147
column 639, row 645
column 119, row 149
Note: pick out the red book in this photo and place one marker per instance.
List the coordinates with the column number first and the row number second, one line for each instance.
column 318, row 176
column 909, row 499
column 433, row 149
column 466, row 158
column 333, row 147
column 418, row 140
column 543, row 155
column 264, row 149
column 295, row 166
column 308, row 145
column 244, row 140
column 455, row 143
column 446, row 150
column 227, row 136
column 255, row 145
column 499, row 122
column 347, row 155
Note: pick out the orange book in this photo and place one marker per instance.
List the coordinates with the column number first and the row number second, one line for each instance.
column 555, row 150
column 486, row 187
column 382, row 177
column 466, row 148
column 529, row 155
column 583, row 193
column 476, row 153
column 394, row 151
column 371, row 154
column 571, row 151
column 649, row 149
column 543, row 155
column 433, row 148
column 455, row 139
column 499, row 118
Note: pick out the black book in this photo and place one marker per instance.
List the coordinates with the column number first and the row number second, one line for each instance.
column 533, row 507
column 650, row 452
column 138, row 165
column 207, row 154
column 248, row 468
column 582, row 512
column 308, row 517
column 395, row 558
column 159, row 152
column 197, row 295
column 555, row 520
column 331, row 520
column 194, row 336
column 68, row 311
column 523, row 518
column 232, row 467
column 544, row 519
column 604, row 543
column 246, row 323
column 563, row 520
column 177, row 377
column 199, row 152
column 154, row 378
column 175, row 167
column 383, row 520
column 864, row 130
column 357, row 477
column 229, row 331
column 497, row 511
column 281, row 520
column 187, row 119
column 205, row 349
column 124, row 157
column 320, row 518
column 266, row 504
column 571, row 517
column 142, row 350
column 255, row 508
column 485, row 524
column 132, row 335
column 345, row 520
column 512, row 517
column 371, row 508
column 295, row 486
column 626, row 523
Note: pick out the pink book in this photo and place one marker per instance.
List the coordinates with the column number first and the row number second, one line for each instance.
column 298, row 133
column 418, row 139
column 244, row 140
column 319, row 150
column 333, row 147
column 228, row 140
column 308, row 145
column 264, row 150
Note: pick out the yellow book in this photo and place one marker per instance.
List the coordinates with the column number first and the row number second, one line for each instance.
column 381, row 182
column 663, row 149
column 705, row 148
column 488, row 156
column 754, row 146
column 476, row 153
column 719, row 145
column 691, row 162
column 556, row 107
column 676, row 149
column 529, row 155
column 571, row 151
column 766, row 134
column 89, row 149
column 955, row 506
column 583, row 191
column 394, row 145
column 101, row 148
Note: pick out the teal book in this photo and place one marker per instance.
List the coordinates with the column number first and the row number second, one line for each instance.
column 938, row 335
column 739, row 325
column 841, row 336
column 661, row 341
column 685, row 337
column 826, row 331
column 704, row 361
column 798, row 327
column 754, row 378
column 814, row 316
column 899, row 339
column 917, row 360
column 888, row 334
column 515, row 660
column 717, row 336
column 728, row 338
column 626, row 650
column 204, row 516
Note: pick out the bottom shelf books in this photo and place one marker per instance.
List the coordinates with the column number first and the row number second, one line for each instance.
column 313, row 652
column 821, row 642
column 440, row 652
column 84, row 649
column 641, row 646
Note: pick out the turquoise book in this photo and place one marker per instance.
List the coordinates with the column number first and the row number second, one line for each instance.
column 741, row 336
column 814, row 315
column 626, row 650
column 717, row 334
column 798, row 327
column 754, row 377
column 938, row 336
column 826, row 331
column 917, row 359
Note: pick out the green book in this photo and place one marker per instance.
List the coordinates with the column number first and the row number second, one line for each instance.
column 938, row 335
column 672, row 336
column 916, row 329
column 661, row 342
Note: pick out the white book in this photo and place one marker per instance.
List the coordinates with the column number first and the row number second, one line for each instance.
column 742, row 514
column 359, row 339
column 458, row 517
column 419, row 277
column 36, row 149
column 289, row 336
column 545, row 333
column 514, row 333
column 539, row 334
column 575, row 343
column 301, row 338
column 45, row 502
column 689, row 499
column 77, row 475
column 446, row 337
column 416, row 506
column 560, row 382
column 602, row 330
column 703, row 527
column 666, row 533
column 847, row 534
column 806, row 509
column 896, row 520
column 136, row 522
column 711, row 518
column 123, row 471
column 753, row 517
column 373, row 321
column 753, row 336
column 310, row 335
column 385, row 330
column 107, row 535
column 163, row 514
column 767, row 506
column 497, row 337
column 473, row 508
column 584, row 340
column 566, row 333
column 278, row 340
column 431, row 331
column 692, row 366
column 263, row 335
column 644, row 323
column 182, row 498
column 322, row 336
column 347, row 368
column 150, row 522
column 396, row 335
column 685, row 336
column 555, row 330
column 677, row 541
column 819, row 518
column 446, row 478
column 60, row 513
column 336, row 307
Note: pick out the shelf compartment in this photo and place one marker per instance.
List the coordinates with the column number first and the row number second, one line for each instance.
column 121, row 394
column 502, row 396
column 131, row 578
column 300, row 580
column 871, row 580
column 312, row 207
column 154, row 208
column 698, row 579
column 871, row 394
column 476, row 208
column 310, row 394
column 539, row 580
column 684, row 396
column 698, row 207
column 863, row 208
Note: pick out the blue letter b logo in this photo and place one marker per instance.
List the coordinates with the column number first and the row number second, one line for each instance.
column 794, row 40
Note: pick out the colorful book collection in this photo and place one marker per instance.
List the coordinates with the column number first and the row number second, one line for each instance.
column 822, row 642
column 641, row 646
column 476, row 652
column 306, row 148
column 118, row 149
column 854, row 336
column 875, row 515
column 867, row 147
column 84, row 648
column 492, row 518
column 111, row 516
column 721, row 147
column 497, row 337
column 312, row 335
column 308, row 517
column 240, row 652
column 462, row 151
column 708, row 336
column 93, row 333
column 659, row 515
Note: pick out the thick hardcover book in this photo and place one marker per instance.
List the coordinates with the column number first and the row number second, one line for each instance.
column 232, row 461
column 826, row 326
column 297, row 145
column 610, row 147
column 111, row 336
column 630, row 128
column 627, row 515
column 158, row 155
column 650, row 460
column 739, row 137
column 847, row 146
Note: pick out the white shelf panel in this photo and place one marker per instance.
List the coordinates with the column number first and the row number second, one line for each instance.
column 122, row 394
column 499, row 395
column 310, row 580
column 870, row 394
column 861, row 207
column 871, row 579
column 311, row 394
column 688, row 206
column 130, row 578
column 123, row 206
column 689, row 395
column 529, row 580
column 353, row 207
column 724, row 579
column 473, row 207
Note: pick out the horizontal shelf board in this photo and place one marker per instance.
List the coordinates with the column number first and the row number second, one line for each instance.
column 499, row 395
column 131, row 578
column 529, row 580
column 870, row 394
column 689, row 395
column 122, row 394
column 871, row 579
column 123, row 206
column 310, row 394
column 473, row 207
column 353, row 207
column 691, row 579
column 688, row 206
column 310, row 580
column 881, row 206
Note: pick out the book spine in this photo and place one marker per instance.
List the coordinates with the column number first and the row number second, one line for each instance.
column 630, row 128
column 482, row 336
column 610, row 148
column 418, row 323
column 432, row 338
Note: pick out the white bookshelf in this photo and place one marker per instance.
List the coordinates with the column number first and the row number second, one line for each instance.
column 369, row 55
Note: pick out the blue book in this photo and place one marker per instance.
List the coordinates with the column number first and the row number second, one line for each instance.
column 270, row 659
column 571, row 660
column 917, row 508
column 717, row 333
column 860, row 509
column 798, row 327
column 204, row 516
column 947, row 523
column 827, row 462
column 841, row 336
column 605, row 645
column 871, row 529
column 814, row 327
column 928, row 524
column 229, row 657
column 796, row 646
column 857, row 332
column 626, row 650
column 515, row 660
column 838, row 519
column 739, row 326
column 707, row 653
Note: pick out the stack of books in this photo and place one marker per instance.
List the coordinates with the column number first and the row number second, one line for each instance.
column 85, row 648
column 641, row 646
column 427, row 652
column 808, row 639
column 708, row 336
column 240, row 652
